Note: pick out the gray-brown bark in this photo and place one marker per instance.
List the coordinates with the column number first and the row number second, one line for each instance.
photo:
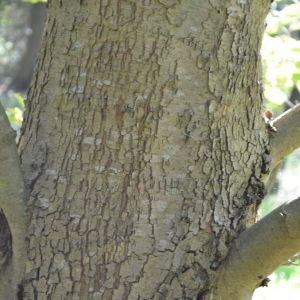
column 252, row 260
column 287, row 137
column 283, row 141
column 142, row 147
column 12, row 218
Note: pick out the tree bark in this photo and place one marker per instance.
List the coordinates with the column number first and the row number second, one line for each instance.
column 142, row 147
column 12, row 214
column 261, row 249
column 286, row 139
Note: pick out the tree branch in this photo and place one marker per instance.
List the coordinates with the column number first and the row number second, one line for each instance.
column 261, row 249
column 287, row 137
column 12, row 210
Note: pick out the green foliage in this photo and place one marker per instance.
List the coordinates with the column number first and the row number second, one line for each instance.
column 15, row 111
column 281, row 54
column 13, row 33
column 20, row 100
column 289, row 271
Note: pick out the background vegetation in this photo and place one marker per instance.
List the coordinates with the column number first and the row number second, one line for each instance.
column 281, row 66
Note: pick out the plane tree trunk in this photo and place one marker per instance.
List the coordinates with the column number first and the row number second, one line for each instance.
column 142, row 148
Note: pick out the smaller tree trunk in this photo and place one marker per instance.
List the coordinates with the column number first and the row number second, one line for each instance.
column 12, row 216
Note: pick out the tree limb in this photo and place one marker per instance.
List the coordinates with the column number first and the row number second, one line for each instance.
column 260, row 249
column 287, row 137
column 12, row 210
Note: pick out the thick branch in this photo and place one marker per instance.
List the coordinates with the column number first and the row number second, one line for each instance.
column 261, row 249
column 287, row 137
column 12, row 210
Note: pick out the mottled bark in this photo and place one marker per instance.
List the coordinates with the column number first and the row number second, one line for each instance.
column 142, row 147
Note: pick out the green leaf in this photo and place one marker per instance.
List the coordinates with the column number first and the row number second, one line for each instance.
column 296, row 78
column 20, row 100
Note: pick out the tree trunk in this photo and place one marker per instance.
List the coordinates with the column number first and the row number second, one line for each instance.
column 142, row 147
column 12, row 217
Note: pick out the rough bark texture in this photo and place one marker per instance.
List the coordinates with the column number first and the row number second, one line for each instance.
column 142, row 146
